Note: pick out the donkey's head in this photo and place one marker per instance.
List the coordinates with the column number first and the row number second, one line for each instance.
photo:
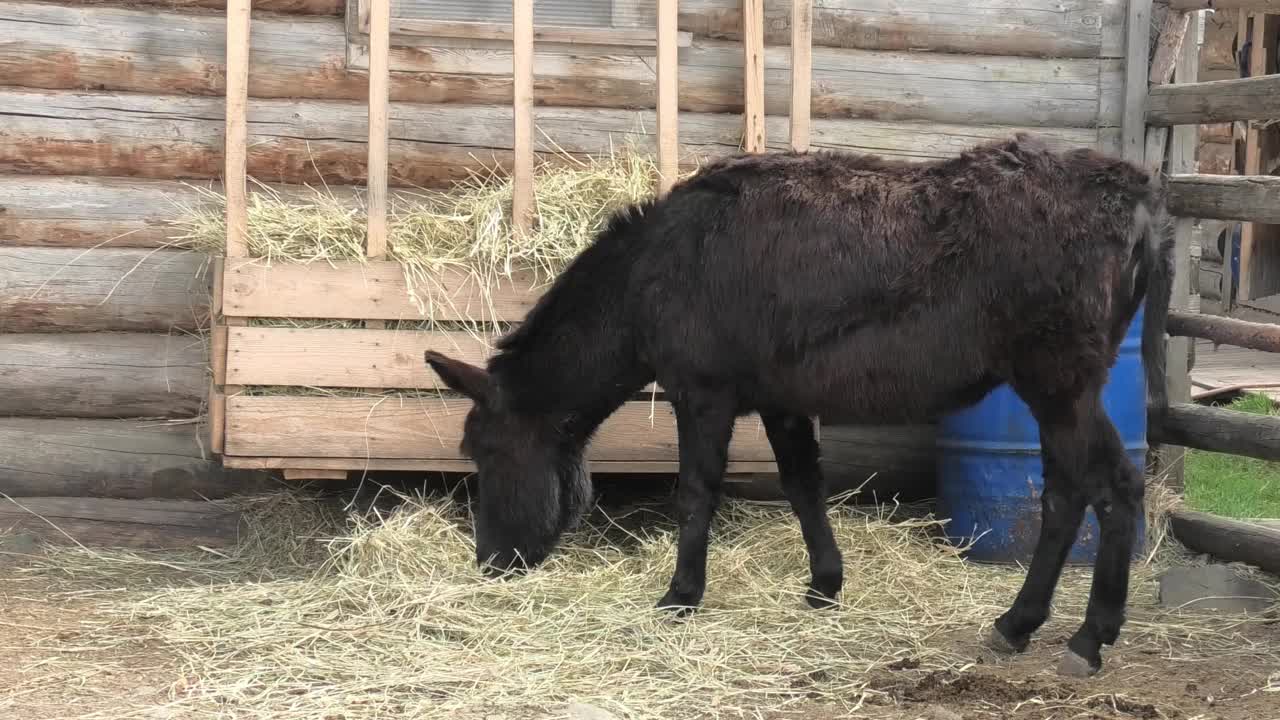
column 532, row 482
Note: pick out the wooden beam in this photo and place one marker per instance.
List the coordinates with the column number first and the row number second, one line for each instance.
column 114, row 458
column 1226, row 197
column 294, row 474
column 1226, row 539
column 668, row 102
column 1217, row 430
column 379, row 112
column 359, row 464
column 1169, row 47
column 1259, row 5
column 754, row 136
column 289, row 7
column 1132, row 127
column 425, row 428
column 1182, row 159
column 237, row 134
column 61, row 290
column 1226, row 331
column 568, row 35
column 140, row 524
column 1254, row 98
column 801, row 72
column 522, row 204
column 102, row 375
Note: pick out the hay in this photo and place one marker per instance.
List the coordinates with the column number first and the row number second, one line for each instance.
column 396, row 622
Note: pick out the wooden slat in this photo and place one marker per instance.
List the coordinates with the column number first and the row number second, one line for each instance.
column 1222, row 431
column 1261, row 5
column 237, row 132
column 754, row 137
column 801, row 72
column 1226, row 197
column 1169, row 46
column 314, row 474
column 103, row 522
column 466, row 466
column 431, row 428
column 356, row 291
column 668, row 102
column 1254, row 98
column 379, row 101
column 1132, row 127
column 522, row 201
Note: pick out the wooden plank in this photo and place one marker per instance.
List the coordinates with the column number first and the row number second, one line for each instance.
column 801, row 72
column 288, row 7
column 108, row 375
column 1226, row 197
column 237, row 135
column 753, row 62
column 314, row 474
column 1222, row 431
column 1254, row 98
column 1226, row 331
column 1261, row 5
column 522, row 202
column 1226, row 539
column 1168, row 47
column 466, row 466
column 614, row 37
column 140, row 524
column 379, row 104
column 1182, row 159
column 54, row 47
column 1132, row 126
column 357, row 291
column 668, row 103
column 431, row 428
column 113, row 458
column 58, row 290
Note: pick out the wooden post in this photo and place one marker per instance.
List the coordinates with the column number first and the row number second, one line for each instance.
column 753, row 74
column 235, row 183
column 1168, row 49
column 1133, row 121
column 522, row 108
column 379, row 109
column 1182, row 159
column 801, row 72
column 1255, row 256
column 668, row 96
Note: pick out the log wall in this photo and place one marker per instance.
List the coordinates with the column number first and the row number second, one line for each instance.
column 111, row 117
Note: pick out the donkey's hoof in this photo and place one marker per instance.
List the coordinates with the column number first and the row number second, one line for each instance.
column 1003, row 645
column 678, row 604
column 1073, row 665
column 819, row 600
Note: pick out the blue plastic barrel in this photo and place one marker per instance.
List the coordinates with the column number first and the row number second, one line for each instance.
column 990, row 476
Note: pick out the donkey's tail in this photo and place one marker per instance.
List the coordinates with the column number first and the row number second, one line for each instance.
column 1156, row 267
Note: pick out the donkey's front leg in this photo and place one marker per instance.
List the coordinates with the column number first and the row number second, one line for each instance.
column 704, row 426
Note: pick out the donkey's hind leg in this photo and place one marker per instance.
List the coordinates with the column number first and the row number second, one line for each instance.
column 704, row 426
column 796, row 449
column 1064, row 453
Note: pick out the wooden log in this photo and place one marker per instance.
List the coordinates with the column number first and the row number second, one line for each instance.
column 1222, row 431
column 113, row 458
column 307, row 58
column 138, row 524
column 102, row 375
column 422, row 428
column 290, row 7
column 1266, row 6
column 57, row 290
column 1168, row 47
column 1226, row 331
column 305, row 142
column 1226, row 197
column 1226, row 539
column 367, row 464
column 1254, row 98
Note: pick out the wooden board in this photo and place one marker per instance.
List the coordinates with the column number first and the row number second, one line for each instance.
column 300, row 7
column 181, row 137
column 1255, row 98
column 113, row 458
column 107, row 375
column 365, row 464
column 103, row 522
column 307, row 58
column 58, row 290
column 431, row 428
column 1226, row 197
column 1227, row 366
column 358, row 291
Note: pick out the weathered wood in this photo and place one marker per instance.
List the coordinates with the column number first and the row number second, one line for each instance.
column 57, row 290
column 1137, row 37
column 314, row 474
column 668, row 102
column 882, row 461
column 236, row 139
column 54, row 47
column 139, row 524
column 113, row 458
column 434, row 145
column 1227, row 539
column 1169, row 47
column 102, row 375
column 1226, row 331
column 295, row 7
column 1254, row 98
column 363, row 464
column 753, row 136
column 1226, row 197
column 522, row 200
column 801, row 72
column 1260, row 5
column 431, row 428
column 1222, row 431
column 612, row 37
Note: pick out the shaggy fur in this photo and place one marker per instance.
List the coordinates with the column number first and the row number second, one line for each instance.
column 804, row 285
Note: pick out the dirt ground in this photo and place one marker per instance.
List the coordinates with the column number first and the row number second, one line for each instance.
column 49, row 635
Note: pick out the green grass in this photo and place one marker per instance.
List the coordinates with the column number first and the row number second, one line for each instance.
column 1234, row 486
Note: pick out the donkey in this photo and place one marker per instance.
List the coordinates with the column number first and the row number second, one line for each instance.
column 798, row 285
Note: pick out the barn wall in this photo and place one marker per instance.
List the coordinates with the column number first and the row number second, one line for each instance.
column 111, row 116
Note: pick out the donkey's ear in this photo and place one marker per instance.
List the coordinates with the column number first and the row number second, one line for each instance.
column 467, row 379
